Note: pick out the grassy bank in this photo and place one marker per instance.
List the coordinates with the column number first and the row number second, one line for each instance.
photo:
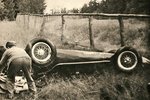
column 108, row 84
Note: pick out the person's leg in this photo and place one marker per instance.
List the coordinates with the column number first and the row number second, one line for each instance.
column 27, row 73
column 26, row 67
column 11, row 73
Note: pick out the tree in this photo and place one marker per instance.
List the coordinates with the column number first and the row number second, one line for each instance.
column 63, row 10
column 138, row 6
column 32, row 6
column 75, row 10
column 91, row 7
column 112, row 6
column 117, row 6
column 12, row 7
column 84, row 9
column 1, row 6
column 1, row 10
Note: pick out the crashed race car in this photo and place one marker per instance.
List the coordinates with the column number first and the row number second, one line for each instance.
column 45, row 58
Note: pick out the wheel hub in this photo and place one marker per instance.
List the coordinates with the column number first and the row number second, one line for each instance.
column 127, row 60
column 40, row 52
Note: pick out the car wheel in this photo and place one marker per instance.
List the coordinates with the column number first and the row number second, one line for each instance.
column 42, row 51
column 127, row 59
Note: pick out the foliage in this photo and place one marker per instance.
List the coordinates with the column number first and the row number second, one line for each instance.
column 10, row 8
column 91, row 7
column 63, row 10
column 1, row 5
column 1, row 9
column 32, row 6
column 112, row 6
column 75, row 10
column 138, row 6
column 117, row 6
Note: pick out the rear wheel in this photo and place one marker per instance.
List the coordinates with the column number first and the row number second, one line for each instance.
column 127, row 59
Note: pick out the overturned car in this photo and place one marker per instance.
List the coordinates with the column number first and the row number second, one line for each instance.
column 46, row 57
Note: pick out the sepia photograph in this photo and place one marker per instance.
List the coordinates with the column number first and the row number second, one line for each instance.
column 74, row 50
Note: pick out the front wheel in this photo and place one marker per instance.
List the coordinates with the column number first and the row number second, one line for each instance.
column 42, row 51
column 127, row 59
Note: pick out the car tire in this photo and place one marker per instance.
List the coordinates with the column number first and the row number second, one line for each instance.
column 127, row 59
column 42, row 52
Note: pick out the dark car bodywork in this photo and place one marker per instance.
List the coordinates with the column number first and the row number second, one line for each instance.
column 46, row 57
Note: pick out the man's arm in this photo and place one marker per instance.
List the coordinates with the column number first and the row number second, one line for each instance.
column 3, row 61
column 1, row 68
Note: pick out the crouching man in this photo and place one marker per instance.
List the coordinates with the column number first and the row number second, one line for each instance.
column 17, row 59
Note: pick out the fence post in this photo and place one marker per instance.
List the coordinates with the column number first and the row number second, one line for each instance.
column 62, row 27
column 42, row 25
column 121, row 25
column 91, row 34
column 28, row 22
column 35, row 18
column 24, row 21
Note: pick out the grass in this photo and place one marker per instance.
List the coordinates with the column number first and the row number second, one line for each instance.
column 106, row 84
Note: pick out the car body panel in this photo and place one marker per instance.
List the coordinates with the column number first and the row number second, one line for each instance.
column 77, row 56
column 145, row 60
column 66, row 57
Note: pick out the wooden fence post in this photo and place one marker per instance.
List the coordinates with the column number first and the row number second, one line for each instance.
column 24, row 21
column 35, row 19
column 28, row 22
column 42, row 25
column 121, row 25
column 62, row 27
column 91, row 34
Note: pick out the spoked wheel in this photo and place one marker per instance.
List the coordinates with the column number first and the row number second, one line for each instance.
column 41, row 52
column 127, row 59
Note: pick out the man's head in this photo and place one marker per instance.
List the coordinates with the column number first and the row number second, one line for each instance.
column 10, row 44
